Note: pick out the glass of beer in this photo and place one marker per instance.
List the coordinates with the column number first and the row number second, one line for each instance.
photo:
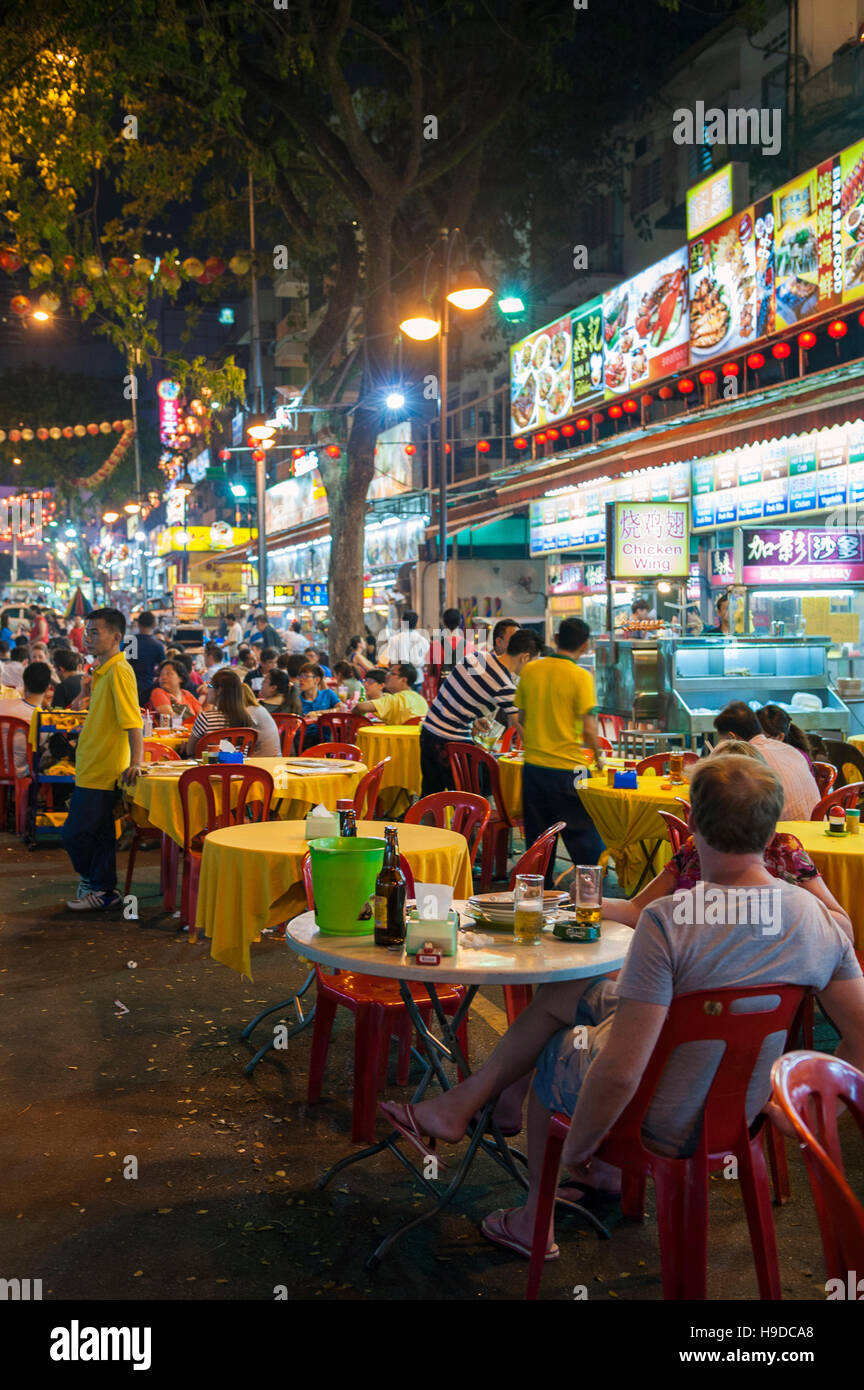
column 588, row 895
column 528, row 901
column 676, row 767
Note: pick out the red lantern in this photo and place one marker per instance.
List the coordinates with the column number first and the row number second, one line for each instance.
column 258, row 455
column 9, row 259
column 214, row 267
column 333, row 451
column 665, row 393
column 708, row 377
column 117, row 425
column 225, row 455
column 686, row 386
column 15, row 436
column 838, row 328
column 410, row 450
column 447, row 449
column 583, row 423
column 730, row 369
column 860, row 316
column 42, row 433
column 68, row 432
column 297, row 453
column 647, row 399
column 540, row 437
column 119, row 266
column 780, row 351
column 20, row 305
column 520, row 442
column 615, row 412
column 807, row 339
column 92, row 429
column 568, row 430
column 756, row 361
column 550, row 434
column 629, row 406
column 598, row 417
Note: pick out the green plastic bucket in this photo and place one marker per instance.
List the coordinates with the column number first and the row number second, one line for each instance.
column 344, row 870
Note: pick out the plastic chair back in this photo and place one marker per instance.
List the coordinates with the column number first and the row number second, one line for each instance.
column 415, row 719
column 466, row 760
column 845, row 797
column 511, row 739
column 825, row 776
column 677, row 829
column 9, row 726
column 226, row 777
column 244, row 739
column 156, row 752
column 536, row 859
column 333, row 725
column 847, row 759
column 368, row 790
column 463, row 812
column 289, row 725
column 660, row 762
column 334, row 750
column 353, row 722
column 807, row 1087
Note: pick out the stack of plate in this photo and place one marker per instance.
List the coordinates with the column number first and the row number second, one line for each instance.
column 498, row 910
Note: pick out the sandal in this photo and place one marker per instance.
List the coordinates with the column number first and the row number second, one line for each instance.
column 495, row 1228
column 411, row 1131
column 582, row 1194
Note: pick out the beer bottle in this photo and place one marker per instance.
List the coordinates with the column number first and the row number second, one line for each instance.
column 347, row 823
column 390, row 892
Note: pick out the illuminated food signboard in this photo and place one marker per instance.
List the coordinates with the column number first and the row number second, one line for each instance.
column 649, row 540
column 646, row 326
column 541, row 377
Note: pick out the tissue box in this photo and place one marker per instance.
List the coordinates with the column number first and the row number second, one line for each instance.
column 443, row 935
column 318, row 826
column 626, row 779
column 235, row 757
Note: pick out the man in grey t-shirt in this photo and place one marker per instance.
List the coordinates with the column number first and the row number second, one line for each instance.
column 738, row 926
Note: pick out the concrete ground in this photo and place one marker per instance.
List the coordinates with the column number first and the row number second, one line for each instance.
column 120, row 1052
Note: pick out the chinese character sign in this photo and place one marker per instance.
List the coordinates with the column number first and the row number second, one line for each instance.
column 803, row 557
column 651, row 540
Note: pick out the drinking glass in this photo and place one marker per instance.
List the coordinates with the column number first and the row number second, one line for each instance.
column 676, row 767
column 588, row 894
column 528, row 902
column 164, row 721
column 176, row 721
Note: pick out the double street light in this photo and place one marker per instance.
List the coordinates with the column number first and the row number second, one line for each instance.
column 467, row 290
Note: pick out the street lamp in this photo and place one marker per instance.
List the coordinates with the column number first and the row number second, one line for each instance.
column 467, row 291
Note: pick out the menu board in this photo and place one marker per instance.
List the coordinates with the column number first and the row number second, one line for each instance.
column 314, row 595
column 587, row 332
column 646, row 325
column 731, row 283
column 802, row 218
column 576, row 519
column 851, row 220
column 649, row 539
column 541, row 377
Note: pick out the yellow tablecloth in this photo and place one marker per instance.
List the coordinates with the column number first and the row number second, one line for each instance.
column 840, row 861
column 156, row 799
column 510, row 772
column 172, row 738
column 252, row 878
column 627, row 818
column 401, row 744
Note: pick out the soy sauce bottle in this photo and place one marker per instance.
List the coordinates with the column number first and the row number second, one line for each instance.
column 390, row 893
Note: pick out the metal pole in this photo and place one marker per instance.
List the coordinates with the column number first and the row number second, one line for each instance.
column 442, row 438
column 260, row 464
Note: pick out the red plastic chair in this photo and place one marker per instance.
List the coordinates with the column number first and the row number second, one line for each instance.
column 334, row 724
column 251, row 804
column 470, row 815
column 379, row 1012
column 289, row 726
column 807, row 1087
column 466, row 760
column 155, row 752
column 660, row 762
column 677, row 829
column 415, row 719
column 681, row 1184
column 511, row 739
column 537, row 857
column 368, row 789
column 244, row 739
column 353, row 722
column 20, row 786
column 825, row 776
column 349, row 751
column 843, row 796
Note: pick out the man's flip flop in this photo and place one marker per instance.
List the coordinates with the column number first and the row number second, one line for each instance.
column 411, row 1131
column 495, row 1228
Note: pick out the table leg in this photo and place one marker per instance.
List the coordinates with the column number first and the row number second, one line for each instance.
column 648, row 870
column 303, row 1021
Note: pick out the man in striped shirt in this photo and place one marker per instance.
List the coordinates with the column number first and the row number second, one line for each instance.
column 480, row 687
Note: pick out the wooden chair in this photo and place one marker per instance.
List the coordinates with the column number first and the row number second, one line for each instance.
column 243, row 739
column 845, row 796
column 825, row 776
column 254, row 788
column 289, row 726
column 466, row 762
column 462, row 812
column 334, row 750
column 368, row 789
column 19, row 786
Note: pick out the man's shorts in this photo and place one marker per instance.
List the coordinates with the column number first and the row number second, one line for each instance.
column 563, row 1063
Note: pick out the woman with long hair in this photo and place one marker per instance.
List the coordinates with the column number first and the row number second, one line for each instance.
column 777, row 724
column 278, row 694
column 230, row 707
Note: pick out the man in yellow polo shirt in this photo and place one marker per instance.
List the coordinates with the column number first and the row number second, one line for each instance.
column 557, row 716
column 400, row 701
column 110, row 749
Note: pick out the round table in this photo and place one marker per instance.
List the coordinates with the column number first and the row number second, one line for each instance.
column 510, row 771
column 840, row 861
column 629, row 825
column 172, row 738
column 155, row 799
column 252, row 877
column 401, row 744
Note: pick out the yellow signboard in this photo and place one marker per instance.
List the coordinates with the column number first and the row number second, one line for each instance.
column 219, row 536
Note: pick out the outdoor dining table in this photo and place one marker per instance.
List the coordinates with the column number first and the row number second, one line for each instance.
column 629, row 826
column 504, row 963
column 510, row 771
column 840, row 861
column 155, row 797
column 401, row 744
column 252, row 877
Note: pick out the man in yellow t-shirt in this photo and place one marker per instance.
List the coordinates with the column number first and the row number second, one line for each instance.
column 400, row 701
column 557, row 717
column 110, row 749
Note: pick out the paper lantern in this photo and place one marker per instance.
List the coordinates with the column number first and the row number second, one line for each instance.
column 79, row 431
column 69, row 433
column 583, row 423
column 333, row 451
column 686, row 386
column 483, row 445
column 67, row 265
column 192, row 268
column 838, row 328
column 781, row 351
column 597, row 418
column 80, row 297
column 92, row 429
column 540, row 436
column 142, row 268
column 756, row 361
column 258, row 455
column 14, row 436
column 41, row 267
column 630, row 406
column 93, row 268
column 410, row 450
column 55, row 432
column 49, row 303
column 104, row 427
column 730, row 369
column 127, row 424
column 42, row 433
column 240, row 263
column 708, row 377
column 665, row 393
column 615, row 412
column 552, row 434
column 520, row 442
column 20, row 305
column 117, row 425
column 27, row 434
column 9, row 259
column 2, row 436
column 568, row 430
column 225, row 455
column 214, row 266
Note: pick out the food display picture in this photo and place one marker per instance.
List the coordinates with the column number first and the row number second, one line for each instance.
column 541, row 377
column 851, row 221
column 587, row 331
column 646, row 325
column 731, row 283
column 797, row 221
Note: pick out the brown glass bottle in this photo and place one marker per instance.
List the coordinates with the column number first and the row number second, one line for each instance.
column 390, row 893
column 347, row 821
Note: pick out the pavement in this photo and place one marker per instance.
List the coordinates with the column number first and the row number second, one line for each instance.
column 139, row 1162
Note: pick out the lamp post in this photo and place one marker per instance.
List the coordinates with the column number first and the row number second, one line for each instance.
column 468, row 291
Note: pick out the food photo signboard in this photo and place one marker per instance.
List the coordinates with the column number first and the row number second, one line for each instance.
column 541, row 377
column 732, row 283
column 646, row 326
column 648, row 539
column 587, row 333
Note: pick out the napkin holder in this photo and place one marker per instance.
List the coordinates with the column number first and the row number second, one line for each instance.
column 626, row 780
column 443, row 935
column 235, row 757
column 319, row 826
